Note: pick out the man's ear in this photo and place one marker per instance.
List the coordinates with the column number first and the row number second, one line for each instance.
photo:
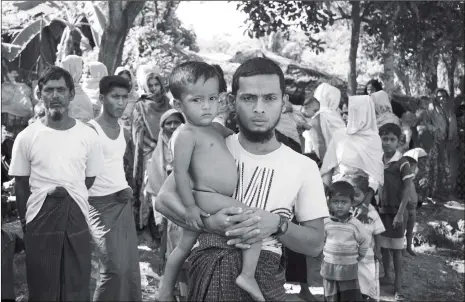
column 177, row 105
column 72, row 93
column 285, row 100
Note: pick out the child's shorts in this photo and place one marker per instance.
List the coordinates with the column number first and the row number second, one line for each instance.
column 342, row 290
column 393, row 238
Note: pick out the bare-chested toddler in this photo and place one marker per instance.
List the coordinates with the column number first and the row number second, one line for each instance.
column 201, row 155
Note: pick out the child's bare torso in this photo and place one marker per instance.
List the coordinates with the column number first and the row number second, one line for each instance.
column 212, row 166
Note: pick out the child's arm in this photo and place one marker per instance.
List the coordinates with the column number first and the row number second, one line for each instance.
column 377, row 249
column 183, row 149
column 408, row 192
column 362, row 239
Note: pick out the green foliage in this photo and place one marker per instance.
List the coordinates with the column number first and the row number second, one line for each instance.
column 265, row 17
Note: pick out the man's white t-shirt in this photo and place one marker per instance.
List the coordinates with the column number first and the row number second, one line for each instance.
column 55, row 158
column 283, row 182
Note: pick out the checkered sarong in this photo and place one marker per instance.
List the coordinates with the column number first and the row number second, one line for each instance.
column 214, row 267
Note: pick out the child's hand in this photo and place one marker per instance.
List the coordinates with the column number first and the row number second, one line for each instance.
column 361, row 213
column 193, row 217
column 398, row 220
column 423, row 182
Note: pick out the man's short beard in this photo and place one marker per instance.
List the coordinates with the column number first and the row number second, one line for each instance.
column 256, row 136
column 56, row 115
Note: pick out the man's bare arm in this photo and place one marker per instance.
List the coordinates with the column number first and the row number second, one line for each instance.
column 23, row 191
column 307, row 238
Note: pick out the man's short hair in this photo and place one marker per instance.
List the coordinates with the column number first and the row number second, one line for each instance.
column 258, row 66
column 359, row 181
column 55, row 73
column 341, row 188
column 107, row 83
column 189, row 73
column 390, row 128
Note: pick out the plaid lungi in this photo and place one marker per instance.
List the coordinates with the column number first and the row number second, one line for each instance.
column 58, row 252
column 214, row 267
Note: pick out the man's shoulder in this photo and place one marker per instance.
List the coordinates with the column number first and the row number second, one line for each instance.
column 297, row 160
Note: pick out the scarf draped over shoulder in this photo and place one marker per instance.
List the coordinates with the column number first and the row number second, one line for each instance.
column 383, row 109
column 358, row 145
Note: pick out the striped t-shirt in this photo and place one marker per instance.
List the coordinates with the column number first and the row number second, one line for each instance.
column 346, row 243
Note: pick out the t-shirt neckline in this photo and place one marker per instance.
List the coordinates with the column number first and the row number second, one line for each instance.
column 257, row 156
column 50, row 128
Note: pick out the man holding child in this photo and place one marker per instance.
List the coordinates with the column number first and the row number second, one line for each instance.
column 274, row 181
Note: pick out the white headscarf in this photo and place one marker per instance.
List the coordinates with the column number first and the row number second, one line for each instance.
column 416, row 153
column 383, row 109
column 80, row 107
column 97, row 70
column 358, row 145
column 330, row 120
column 144, row 73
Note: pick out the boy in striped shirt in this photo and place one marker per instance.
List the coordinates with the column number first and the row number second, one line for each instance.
column 346, row 243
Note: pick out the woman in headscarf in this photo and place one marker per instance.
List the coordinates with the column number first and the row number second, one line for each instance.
column 80, row 107
column 374, row 86
column 327, row 118
column 383, row 109
column 356, row 149
column 97, row 71
column 126, row 73
column 441, row 177
column 145, row 128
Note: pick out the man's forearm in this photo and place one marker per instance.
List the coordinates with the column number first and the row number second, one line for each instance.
column 23, row 192
column 307, row 239
column 172, row 208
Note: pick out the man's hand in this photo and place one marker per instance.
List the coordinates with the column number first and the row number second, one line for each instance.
column 378, row 255
column 219, row 222
column 193, row 218
column 398, row 220
column 262, row 225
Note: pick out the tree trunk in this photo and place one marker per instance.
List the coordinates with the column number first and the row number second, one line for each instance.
column 450, row 66
column 404, row 79
column 119, row 22
column 354, row 41
column 431, row 75
column 388, row 52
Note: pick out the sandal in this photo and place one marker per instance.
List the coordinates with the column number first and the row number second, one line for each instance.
column 399, row 297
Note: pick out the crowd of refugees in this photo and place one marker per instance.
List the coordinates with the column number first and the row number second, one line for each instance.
column 248, row 192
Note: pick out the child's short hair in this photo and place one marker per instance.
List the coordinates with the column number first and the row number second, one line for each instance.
column 341, row 188
column 189, row 73
column 390, row 128
column 359, row 182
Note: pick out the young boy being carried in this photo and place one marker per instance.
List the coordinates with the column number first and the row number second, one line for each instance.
column 395, row 194
column 346, row 244
column 201, row 155
column 368, row 268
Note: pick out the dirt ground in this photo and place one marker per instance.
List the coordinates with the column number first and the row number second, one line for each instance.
column 435, row 274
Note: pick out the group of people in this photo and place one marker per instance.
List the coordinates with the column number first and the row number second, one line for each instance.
column 235, row 198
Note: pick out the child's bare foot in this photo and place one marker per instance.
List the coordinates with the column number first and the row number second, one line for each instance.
column 410, row 251
column 250, row 285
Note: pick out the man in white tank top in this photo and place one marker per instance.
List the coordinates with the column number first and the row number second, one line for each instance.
column 110, row 216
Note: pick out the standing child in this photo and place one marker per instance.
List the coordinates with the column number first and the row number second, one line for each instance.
column 398, row 188
column 368, row 268
column 11, row 245
column 201, row 155
column 310, row 136
column 417, row 159
column 346, row 244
